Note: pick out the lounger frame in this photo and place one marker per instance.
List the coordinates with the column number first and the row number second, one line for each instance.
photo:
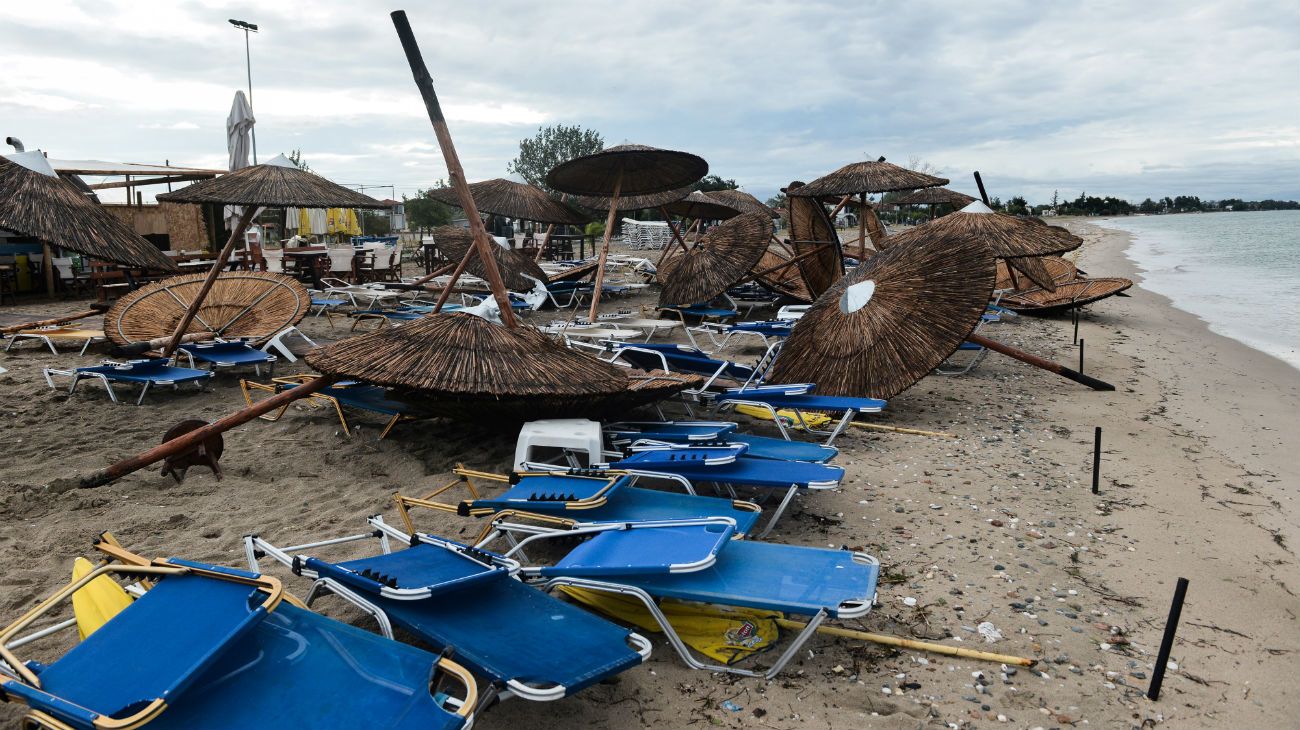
column 79, row 375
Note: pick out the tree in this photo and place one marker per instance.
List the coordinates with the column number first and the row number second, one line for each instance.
column 995, row 203
column 776, row 201
column 1018, row 206
column 296, row 158
column 375, row 223
column 914, row 162
column 1056, row 199
column 709, row 183
column 423, row 212
column 551, row 146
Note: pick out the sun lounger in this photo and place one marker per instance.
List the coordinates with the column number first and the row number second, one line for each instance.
column 145, row 373
column 580, row 496
column 814, row 582
column 343, row 394
column 207, row 647
column 629, row 432
column 227, row 355
column 463, row 600
column 768, row 331
column 684, row 359
column 49, row 335
column 774, row 400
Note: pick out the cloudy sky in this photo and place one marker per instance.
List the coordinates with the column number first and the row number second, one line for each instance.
column 1128, row 99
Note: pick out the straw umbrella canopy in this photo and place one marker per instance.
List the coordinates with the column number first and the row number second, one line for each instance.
column 277, row 183
column 934, row 196
column 36, row 202
column 777, row 272
column 814, row 241
column 630, row 203
column 254, row 304
column 742, row 201
column 515, row 268
column 1059, row 269
column 511, row 199
column 457, row 356
column 724, row 256
column 699, row 206
column 625, row 169
column 1015, row 238
column 1068, row 295
column 893, row 320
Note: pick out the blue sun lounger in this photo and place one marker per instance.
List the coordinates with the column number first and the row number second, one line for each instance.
column 145, row 373
column 814, row 582
column 231, row 655
column 625, row 433
column 227, row 354
column 467, row 602
column 745, row 471
column 768, row 331
column 774, row 398
column 343, row 394
column 586, row 496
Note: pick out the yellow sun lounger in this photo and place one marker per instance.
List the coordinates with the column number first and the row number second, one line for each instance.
column 49, row 334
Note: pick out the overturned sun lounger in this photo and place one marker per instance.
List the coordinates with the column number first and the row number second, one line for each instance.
column 228, row 354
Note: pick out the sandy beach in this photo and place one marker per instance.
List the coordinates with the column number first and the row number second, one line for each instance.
column 997, row 525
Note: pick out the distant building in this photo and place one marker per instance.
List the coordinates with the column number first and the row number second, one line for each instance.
column 396, row 214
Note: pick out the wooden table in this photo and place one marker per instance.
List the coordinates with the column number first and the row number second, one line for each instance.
column 309, row 262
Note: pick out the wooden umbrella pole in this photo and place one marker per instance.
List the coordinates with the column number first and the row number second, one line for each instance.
column 604, row 247
column 424, row 82
column 912, row 644
column 1039, row 362
column 47, row 265
column 546, row 239
column 899, row 429
column 194, row 438
column 455, row 275
column 676, row 237
column 840, row 206
column 782, row 244
column 788, row 262
column 433, row 275
column 862, row 229
column 48, row 322
column 140, row 348
column 213, row 273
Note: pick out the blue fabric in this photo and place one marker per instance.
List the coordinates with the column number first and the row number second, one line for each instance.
column 710, row 454
column 810, row 401
column 746, row 471
column 369, row 398
column 532, row 491
column 153, row 649
column 508, row 630
column 298, row 669
column 643, row 550
column 764, row 447
column 701, row 310
column 670, row 430
column 770, row 328
column 421, row 567
column 763, row 575
column 635, row 503
column 970, row 346
column 328, row 302
column 684, row 359
column 147, row 371
column 237, row 353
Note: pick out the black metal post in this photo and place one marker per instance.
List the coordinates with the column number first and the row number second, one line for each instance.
column 1081, row 356
column 1074, row 312
column 1096, row 460
column 1167, row 643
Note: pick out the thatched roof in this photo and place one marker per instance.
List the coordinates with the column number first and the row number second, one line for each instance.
column 872, row 176
column 776, row 272
column 44, row 206
column 642, row 170
column 1068, row 295
column 515, row 268
column 277, row 183
column 254, row 304
column 723, row 257
column 630, row 203
column 511, row 199
column 934, row 196
column 1059, row 269
column 815, row 243
column 891, row 321
column 1032, row 268
column 460, row 356
column 1006, row 235
column 742, row 201
column 699, row 206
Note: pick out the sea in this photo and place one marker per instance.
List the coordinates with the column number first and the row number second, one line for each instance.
column 1238, row 271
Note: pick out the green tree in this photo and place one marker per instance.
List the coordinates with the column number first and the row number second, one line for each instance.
column 551, row 146
column 776, row 201
column 423, row 212
column 709, row 183
column 375, row 223
column 1017, row 206
column 296, row 158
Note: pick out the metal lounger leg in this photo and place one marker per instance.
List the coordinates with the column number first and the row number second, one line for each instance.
column 796, row 644
column 349, row 596
column 143, row 391
column 780, row 510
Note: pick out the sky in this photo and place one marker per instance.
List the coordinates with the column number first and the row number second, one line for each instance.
column 1127, row 99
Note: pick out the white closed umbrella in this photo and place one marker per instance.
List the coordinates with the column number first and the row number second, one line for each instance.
column 239, row 127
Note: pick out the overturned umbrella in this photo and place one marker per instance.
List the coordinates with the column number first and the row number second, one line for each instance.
column 518, row 272
column 815, row 243
column 248, row 304
column 723, row 257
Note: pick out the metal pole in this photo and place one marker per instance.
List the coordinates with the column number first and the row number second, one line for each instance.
column 1080, row 355
column 248, row 62
column 1096, row 460
column 1167, row 643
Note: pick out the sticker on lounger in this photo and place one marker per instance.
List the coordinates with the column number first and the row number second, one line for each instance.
column 856, row 296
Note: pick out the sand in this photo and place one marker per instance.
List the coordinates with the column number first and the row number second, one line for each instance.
column 995, row 526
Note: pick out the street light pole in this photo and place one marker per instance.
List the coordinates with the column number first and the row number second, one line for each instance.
column 248, row 62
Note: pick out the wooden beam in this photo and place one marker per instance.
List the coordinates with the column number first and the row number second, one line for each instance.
column 149, row 181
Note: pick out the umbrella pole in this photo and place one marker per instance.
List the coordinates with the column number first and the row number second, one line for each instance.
column 604, row 247
column 1039, row 362
column 424, row 82
column 433, row 275
column 47, row 264
column 546, row 240
column 455, row 275
column 193, row 438
column 911, row 644
column 840, row 206
column 676, row 238
column 48, row 322
column 213, row 273
column 862, row 229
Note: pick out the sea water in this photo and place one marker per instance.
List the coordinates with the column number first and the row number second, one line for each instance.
column 1240, row 272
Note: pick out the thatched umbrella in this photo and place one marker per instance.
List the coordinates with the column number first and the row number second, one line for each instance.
column 36, row 202
column 1015, row 238
column 277, row 183
column 1059, row 269
column 1068, row 295
column 515, row 267
column 698, row 207
column 815, row 243
column 630, row 203
column 511, row 199
column 630, row 168
column 891, row 321
column 463, row 358
column 934, row 196
column 777, row 272
column 724, row 256
column 862, row 178
column 255, row 304
column 742, row 201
